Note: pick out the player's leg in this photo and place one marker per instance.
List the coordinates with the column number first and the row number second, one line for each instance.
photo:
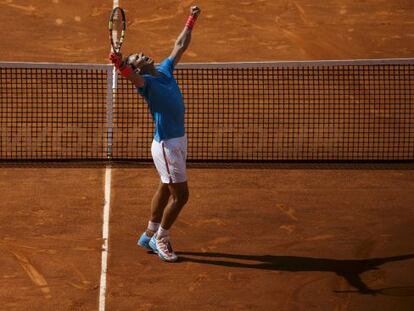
column 179, row 197
column 175, row 153
column 160, row 242
column 159, row 202
column 160, row 198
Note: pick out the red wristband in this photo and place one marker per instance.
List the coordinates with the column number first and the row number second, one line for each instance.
column 190, row 22
column 126, row 71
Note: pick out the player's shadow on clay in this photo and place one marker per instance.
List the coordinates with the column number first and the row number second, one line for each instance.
column 351, row 270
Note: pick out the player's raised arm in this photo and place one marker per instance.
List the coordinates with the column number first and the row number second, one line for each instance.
column 184, row 38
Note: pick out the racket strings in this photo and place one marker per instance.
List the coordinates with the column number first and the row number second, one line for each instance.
column 117, row 28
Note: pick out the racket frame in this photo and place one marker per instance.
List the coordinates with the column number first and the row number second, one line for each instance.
column 116, row 48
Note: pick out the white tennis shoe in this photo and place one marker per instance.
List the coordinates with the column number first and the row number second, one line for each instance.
column 163, row 248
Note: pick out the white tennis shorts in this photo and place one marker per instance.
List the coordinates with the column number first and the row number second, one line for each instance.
column 170, row 159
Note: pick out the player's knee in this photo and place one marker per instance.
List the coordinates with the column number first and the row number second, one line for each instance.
column 181, row 197
column 163, row 189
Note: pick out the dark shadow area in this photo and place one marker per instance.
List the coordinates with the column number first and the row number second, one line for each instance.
column 396, row 291
column 53, row 164
column 405, row 165
column 75, row 164
column 350, row 270
column 311, row 165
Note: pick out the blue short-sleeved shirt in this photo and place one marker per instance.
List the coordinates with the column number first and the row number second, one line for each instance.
column 165, row 102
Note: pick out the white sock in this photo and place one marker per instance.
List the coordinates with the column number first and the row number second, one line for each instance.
column 162, row 232
column 153, row 226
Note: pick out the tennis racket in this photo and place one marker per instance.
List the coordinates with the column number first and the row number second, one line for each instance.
column 117, row 26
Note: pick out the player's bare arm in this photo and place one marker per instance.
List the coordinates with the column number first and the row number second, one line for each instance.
column 184, row 39
column 136, row 79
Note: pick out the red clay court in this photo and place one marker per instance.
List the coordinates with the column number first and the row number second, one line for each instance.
column 256, row 235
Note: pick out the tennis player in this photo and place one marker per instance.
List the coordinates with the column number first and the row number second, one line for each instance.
column 169, row 148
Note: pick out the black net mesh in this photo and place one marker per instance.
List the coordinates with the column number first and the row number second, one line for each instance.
column 308, row 112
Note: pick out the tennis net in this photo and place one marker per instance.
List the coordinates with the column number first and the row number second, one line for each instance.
column 361, row 110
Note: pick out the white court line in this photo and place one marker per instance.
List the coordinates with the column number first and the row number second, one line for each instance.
column 106, row 209
column 105, row 237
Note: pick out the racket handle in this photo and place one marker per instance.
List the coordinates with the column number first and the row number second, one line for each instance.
column 190, row 22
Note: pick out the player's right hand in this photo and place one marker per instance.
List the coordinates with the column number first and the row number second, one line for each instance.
column 116, row 59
